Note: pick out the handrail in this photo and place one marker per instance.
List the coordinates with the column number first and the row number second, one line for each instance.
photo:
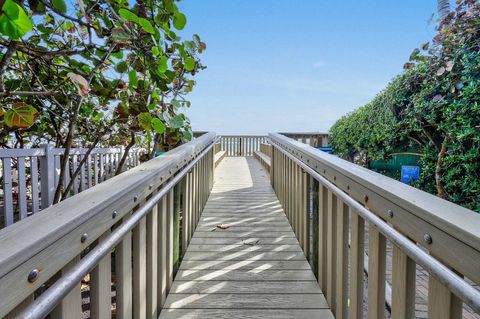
column 455, row 283
column 47, row 241
column 42, row 306
column 412, row 211
column 395, row 212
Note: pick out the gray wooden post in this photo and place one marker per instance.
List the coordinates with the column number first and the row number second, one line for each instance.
column 47, row 176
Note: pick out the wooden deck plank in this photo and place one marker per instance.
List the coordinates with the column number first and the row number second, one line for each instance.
column 245, row 234
column 253, row 269
column 245, row 264
column 243, row 275
column 246, row 314
column 248, row 301
column 244, row 241
column 245, row 287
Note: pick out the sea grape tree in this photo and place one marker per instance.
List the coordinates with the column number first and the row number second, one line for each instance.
column 95, row 72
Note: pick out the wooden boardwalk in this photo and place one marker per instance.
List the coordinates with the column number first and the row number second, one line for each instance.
column 253, row 269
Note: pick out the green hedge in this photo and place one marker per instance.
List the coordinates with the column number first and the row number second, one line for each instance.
column 433, row 106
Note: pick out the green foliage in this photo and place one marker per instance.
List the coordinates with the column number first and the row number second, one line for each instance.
column 434, row 106
column 105, row 71
column 14, row 22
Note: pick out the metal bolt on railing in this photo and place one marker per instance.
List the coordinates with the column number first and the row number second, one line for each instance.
column 83, row 238
column 428, row 238
column 33, row 275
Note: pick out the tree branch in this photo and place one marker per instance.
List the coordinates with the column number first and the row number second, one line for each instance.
column 125, row 154
column 6, row 61
column 29, row 93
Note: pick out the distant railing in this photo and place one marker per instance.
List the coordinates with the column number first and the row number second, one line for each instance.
column 314, row 139
column 30, row 176
column 241, row 145
column 128, row 233
column 438, row 236
column 266, row 149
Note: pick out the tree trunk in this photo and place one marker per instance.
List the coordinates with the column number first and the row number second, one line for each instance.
column 443, row 9
column 125, row 154
column 438, row 170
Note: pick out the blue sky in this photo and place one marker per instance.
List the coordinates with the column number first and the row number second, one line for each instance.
column 297, row 65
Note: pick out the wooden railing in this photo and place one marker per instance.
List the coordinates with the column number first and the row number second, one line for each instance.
column 127, row 233
column 30, row 176
column 238, row 145
column 350, row 202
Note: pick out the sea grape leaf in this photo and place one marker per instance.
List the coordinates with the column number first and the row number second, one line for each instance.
column 21, row 115
column 14, row 21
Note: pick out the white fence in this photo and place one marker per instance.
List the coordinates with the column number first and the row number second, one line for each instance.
column 30, row 176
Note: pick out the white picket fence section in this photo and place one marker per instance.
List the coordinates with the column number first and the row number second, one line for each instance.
column 30, row 176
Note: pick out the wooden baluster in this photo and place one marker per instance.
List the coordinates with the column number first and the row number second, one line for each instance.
column 191, row 193
column 197, row 192
column 96, row 178
column 123, row 269
column 342, row 260
column 170, row 212
column 89, row 171
column 34, row 175
column 273, row 172
column 403, row 285
column 185, row 213
column 305, row 213
column 71, row 305
column 284, row 173
column 357, row 252
column 7, row 192
column 322, row 235
column 162, row 252
column 100, row 287
column 22, row 188
column 295, row 200
column 287, row 189
column 101, row 178
column 442, row 303
column 376, row 273
column 139, row 270
column 291, row 189
column 194, row 196
column 331, row 250
column 152, row 263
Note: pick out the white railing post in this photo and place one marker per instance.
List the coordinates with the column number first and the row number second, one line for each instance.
column 47, row 175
